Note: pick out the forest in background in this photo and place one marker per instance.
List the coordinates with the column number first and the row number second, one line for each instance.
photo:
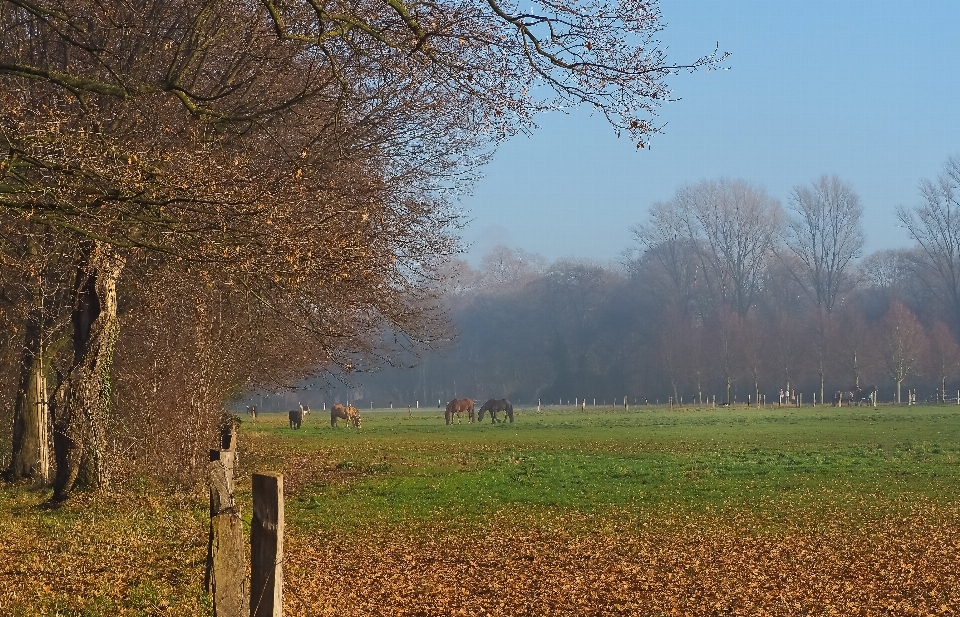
column 725, row 292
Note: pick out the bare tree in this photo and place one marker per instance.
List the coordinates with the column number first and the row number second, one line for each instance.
column 825, row 235
column 944, row 357
column 856, row 349
column 903, row 344
column 735, row 224
column 934, row 224
column 669, row 253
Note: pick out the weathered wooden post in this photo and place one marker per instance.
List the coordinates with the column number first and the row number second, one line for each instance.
column 266, row 546
column 226, row 566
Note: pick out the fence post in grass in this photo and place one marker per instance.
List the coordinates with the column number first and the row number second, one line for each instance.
column 266, row 546
column 226, row 565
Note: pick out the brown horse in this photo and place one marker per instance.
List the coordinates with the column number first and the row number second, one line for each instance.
column 348, row 412
column 458, row 406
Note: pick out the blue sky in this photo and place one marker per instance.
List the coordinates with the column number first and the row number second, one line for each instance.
column 869, row 91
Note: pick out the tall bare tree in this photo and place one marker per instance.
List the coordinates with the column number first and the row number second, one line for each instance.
column 934, row 224
column 669, row 253
column 825, row 235
column 944, row 356
column 735, row 224
column 903, row 344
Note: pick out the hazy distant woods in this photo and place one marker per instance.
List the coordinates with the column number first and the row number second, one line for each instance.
column 725, row 292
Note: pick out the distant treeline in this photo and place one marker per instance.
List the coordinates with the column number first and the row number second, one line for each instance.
column 724, row 293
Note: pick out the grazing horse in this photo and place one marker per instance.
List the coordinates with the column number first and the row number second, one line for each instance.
column 495, row 405
column 296, row 417
column 348, row 412
column 457, row 406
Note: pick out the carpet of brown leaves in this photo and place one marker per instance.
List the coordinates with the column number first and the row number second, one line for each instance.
column 114, row 554
column 144, row 557
column 694, row 567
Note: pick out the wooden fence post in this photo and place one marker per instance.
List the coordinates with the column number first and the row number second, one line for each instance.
column 226, row 565
column 266, row 546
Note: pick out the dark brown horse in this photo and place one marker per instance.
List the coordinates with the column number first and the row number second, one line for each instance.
column 458, row 406
column 494, row 406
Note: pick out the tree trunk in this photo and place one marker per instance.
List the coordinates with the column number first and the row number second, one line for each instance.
column 822, row 389
column 30, row 457
column 898, row 391
column 82, row 401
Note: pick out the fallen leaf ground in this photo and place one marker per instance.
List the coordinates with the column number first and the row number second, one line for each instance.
column 683, row 513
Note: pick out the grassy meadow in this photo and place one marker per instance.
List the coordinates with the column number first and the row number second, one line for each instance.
column 564, row 512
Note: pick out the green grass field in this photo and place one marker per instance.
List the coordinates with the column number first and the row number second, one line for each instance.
column 775, row 463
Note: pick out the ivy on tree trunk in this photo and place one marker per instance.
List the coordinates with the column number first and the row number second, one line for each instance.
column 82, row 402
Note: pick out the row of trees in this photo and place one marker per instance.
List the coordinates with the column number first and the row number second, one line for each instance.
column 725, row 292
column 199, row 197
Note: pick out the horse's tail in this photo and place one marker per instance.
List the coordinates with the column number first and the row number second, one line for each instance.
column 510, row 411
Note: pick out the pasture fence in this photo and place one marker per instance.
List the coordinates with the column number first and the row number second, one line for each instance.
column 226, row 581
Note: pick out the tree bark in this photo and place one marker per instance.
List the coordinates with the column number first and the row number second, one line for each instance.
column 30, row 413
column 82, row 401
